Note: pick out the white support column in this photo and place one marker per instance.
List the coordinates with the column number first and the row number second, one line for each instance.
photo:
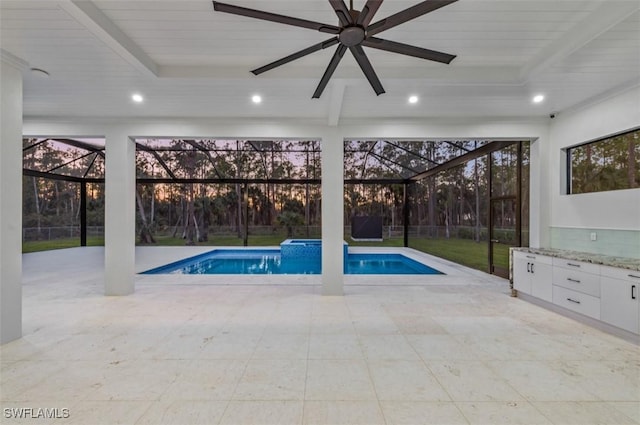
column 120, row 226
column 10, row 199
column 539, row 192
column 332, row 214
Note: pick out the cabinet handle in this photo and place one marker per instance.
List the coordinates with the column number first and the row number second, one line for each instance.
column 573, row 301
column 633, row 292
column 633, row 275
column 573, row 280
column 531, row 256
column 573, row 265
column 532, row 264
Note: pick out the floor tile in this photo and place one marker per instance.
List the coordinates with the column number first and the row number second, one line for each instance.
column 422, row 413
column 472, row 381
column 136, row 379
column 342, row 413
column 338, row 380
column 441, row 347
column 503, row 413
column 375, row 325
column 418, row 325
column 206, row 380
column 23, row 375
column 335, row 346
column 232, row 345
column 332, row 325
column 629, row 408
column 120, row 412
column 186, row 349
column 542, row 381
column 582, row 413
column 263, row 413
column 272, row 380
column 184, row 343
column 387, row 347
column 610, row 380
column 282, row 346
column 401, row 380
column 181, row 412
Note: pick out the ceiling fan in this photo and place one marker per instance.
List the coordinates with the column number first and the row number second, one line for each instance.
column 354, row 32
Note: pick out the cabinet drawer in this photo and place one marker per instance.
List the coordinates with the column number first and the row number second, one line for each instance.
column 577, row 301
column 577, row 265
column 576, row 280
column 617, row 273
column 542, row 259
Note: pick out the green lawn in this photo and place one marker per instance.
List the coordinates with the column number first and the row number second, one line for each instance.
column 35, row 246
column 463, row 251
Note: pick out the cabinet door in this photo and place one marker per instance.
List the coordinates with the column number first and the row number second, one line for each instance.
column 542, row 281
column 521, row 273
column 617, row 305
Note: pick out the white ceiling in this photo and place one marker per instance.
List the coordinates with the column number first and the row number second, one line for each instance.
column 189, row 61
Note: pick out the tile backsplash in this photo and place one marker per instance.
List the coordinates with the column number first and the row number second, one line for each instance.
column 618, row 243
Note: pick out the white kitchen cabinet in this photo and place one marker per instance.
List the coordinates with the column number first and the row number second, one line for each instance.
column 620, row 298
column 532, row 274
column 606, row 293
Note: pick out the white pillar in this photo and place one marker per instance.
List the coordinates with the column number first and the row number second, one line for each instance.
column 10, row 198
column 119, row 238
column 332, row 213
column 539, row 192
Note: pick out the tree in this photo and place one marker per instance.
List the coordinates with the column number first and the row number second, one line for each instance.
column 289, row 219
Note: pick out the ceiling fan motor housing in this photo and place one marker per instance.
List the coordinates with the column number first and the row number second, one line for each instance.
column 352, row 35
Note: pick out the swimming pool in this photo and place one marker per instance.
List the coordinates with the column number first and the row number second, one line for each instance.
column 269, row 261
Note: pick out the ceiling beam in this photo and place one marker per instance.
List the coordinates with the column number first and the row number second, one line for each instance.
column 14, row 60
column 94, row 20
column 461, row 75
column 609, row 14
column 335, row 101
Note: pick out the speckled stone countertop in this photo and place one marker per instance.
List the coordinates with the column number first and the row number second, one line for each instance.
column 587, row 257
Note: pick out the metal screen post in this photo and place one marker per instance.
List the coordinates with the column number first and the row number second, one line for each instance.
column 83, row 213
column 405, row 213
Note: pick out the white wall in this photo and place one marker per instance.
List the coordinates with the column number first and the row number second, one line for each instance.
column 601, row 211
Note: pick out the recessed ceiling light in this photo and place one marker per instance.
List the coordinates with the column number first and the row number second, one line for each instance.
column 413, row 99
column 256, row 98
column 137, row 97
column 538, row 98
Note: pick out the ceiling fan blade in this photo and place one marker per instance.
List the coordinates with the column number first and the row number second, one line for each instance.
column 366, row 67
column 368, row 11
column 405, row 49
column 273, row 17
column 407, row 15
column 327, row 43
column 341, row 10
column 335, row 60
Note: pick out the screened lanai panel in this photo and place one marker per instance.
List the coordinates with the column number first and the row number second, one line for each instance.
column 227, row 159
column 80, row 158
column 389, row 159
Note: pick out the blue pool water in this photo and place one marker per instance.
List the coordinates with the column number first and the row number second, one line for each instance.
column 268, row 261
